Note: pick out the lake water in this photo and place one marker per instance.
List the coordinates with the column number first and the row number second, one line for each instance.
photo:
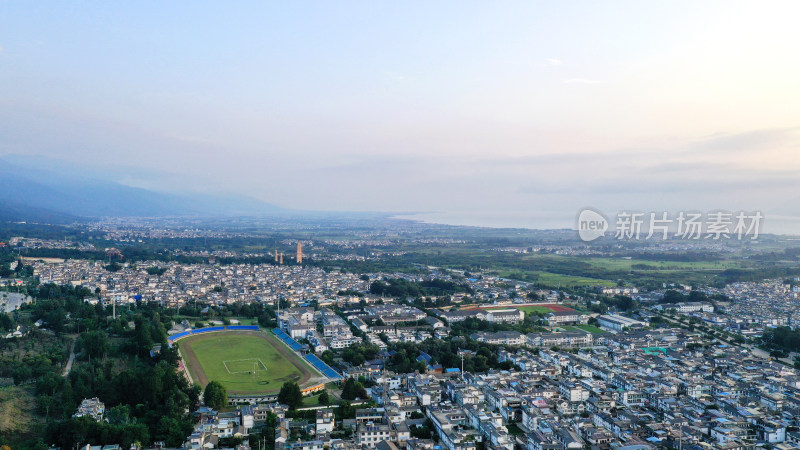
column 776, row 224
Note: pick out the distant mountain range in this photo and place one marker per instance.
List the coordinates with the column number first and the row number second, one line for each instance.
column 35, row 194
column 15, row 212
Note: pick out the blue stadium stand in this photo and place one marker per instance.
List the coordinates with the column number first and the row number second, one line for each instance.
column 177, row 336
column 287, row 340
column 312, row 359
column 207, row 330
column 322, row 367
column 183, row 334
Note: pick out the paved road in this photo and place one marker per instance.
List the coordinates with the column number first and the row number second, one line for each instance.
column 71, row 357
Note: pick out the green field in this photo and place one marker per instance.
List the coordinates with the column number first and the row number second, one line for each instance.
column 553, row 279
column 631, row 266
column 629, row 263
column 534, row 309
column 242, row 362
column 577, row 271
column 311, row 400
column 247, row 320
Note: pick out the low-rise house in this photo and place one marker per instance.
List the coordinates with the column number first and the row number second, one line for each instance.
column 500, row 337
column 91, row 407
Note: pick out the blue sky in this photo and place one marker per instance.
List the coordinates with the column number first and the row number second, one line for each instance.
column 445, row 106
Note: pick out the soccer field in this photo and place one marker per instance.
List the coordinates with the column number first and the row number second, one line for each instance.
column 244, row 363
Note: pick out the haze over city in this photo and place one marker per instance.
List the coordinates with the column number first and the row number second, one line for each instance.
column 523, row 111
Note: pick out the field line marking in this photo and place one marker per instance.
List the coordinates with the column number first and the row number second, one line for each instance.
column 230, row 372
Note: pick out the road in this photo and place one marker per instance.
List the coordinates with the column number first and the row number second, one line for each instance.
column 71, row 357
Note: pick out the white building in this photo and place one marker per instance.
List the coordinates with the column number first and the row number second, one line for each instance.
column 618, row 323
column 510, row 315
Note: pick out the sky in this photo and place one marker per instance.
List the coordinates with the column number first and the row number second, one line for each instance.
column 525, row 109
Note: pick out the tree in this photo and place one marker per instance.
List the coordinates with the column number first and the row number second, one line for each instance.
column 45, row 403
column 215, row 395
column 6, row 322
column 266, row 435
column 155, row 270
column 624, row 302
column 352, row 389
column 119, row 415
column 345, row 411
column 348, row 389
column 290, row 395
column 143, row 336
column 328, row 357
column 673, row 296
column 424, row 431
column 94, row 343
column 324, row 398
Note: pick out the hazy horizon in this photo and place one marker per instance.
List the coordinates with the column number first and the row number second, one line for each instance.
column 527, row 109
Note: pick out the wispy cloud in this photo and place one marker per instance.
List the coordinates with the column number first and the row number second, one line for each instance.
column 669, row 156
column 553, row 62
column 581, row 81
column 750, row 141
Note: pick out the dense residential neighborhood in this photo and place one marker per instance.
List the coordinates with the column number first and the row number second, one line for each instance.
column 634, row 386
column 639, row 390
column 431, row 360
column 173, row 284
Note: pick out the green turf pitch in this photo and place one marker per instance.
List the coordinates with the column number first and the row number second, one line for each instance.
column 534, row 309
column 243, row 363
column 249, row 365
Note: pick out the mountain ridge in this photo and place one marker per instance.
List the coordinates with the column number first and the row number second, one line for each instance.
column 45, row 192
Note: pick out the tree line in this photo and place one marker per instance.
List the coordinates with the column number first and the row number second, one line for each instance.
column 402, row 288
column 146, row 398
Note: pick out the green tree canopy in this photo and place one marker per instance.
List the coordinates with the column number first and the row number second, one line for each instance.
column 94, row 343
column 290, row 395
column 352, row 389
column 324, row 398
column 215, row 395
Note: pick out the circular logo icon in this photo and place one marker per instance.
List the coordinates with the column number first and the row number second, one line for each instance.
column 591, row 225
